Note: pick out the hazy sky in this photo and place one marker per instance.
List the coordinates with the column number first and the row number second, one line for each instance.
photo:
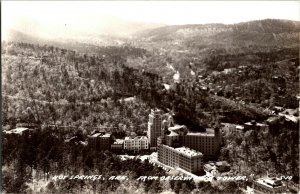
column 83, row 14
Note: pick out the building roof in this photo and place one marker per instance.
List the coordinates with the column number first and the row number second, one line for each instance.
column 18, row 130
column 106, row 135
column 188, row 152
column 135, row 138
column 84, row 143
column 255, row 123
column 278, row 108
column 97, row 131
column 270, row 182
column 129, row 99
column 248, row 123
column 209, row 167
column 167, row 86
column 100, row 135
column 290, row 111
column 272, row 119
column 290, row 117
column 176, row 127
column 156, row 111
column 239, row 127
column 119, row 141
column 172, row 134
column 200, row 134
column 210, row 130
column 261, row 124
column 70, row 139
column 222, row 163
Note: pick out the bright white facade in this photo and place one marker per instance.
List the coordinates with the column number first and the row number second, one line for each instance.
column 137, row 143
column 154, row 126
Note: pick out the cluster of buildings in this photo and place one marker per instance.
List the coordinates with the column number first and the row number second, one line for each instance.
column 213, row 167
column 284, row 117
column 176, row 146
column 105, row 141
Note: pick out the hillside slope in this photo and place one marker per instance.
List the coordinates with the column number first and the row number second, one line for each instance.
column 269, row 32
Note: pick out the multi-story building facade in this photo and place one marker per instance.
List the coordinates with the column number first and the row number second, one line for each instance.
column 177, row 147
column 182, row 157
column 154, row 127
column 100, row 141
column 207, row 143
column 136, row 144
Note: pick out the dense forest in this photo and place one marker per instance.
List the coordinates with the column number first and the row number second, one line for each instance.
column 45, row 85
column 257, row 152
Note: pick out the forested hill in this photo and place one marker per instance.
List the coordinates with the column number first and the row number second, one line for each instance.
column 89, row 45
column 243, row 61
column 269, row 32
column 48, row 85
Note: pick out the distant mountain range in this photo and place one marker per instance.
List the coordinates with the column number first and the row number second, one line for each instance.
column 269, row 32
column 104, row 30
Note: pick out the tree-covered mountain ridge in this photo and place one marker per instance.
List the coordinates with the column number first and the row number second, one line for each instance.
column 261, row 32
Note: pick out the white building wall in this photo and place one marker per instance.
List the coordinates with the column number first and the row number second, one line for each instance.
column 137, row 143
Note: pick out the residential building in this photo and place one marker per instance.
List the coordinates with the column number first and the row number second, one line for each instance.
column 239, row 128
column 209, row 167
column 136, row 144
column 77, row 139
column 154, row 127
column 19, row 131
column 223, row 166
column 181, row 157
column 269, row 185
column 253, row 125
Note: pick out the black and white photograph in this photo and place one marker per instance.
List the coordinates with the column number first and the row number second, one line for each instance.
column 150, row 97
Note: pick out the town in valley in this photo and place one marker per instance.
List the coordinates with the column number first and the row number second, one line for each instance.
column 150, row 107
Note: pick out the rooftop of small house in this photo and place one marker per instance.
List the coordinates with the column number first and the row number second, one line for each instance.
column 119, row 141
column 270, row 182
column 18, row 130
column 254, row 123
column 222, row 163
column 100, row 134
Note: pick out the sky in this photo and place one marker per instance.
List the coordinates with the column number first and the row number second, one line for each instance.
column 83, row 15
